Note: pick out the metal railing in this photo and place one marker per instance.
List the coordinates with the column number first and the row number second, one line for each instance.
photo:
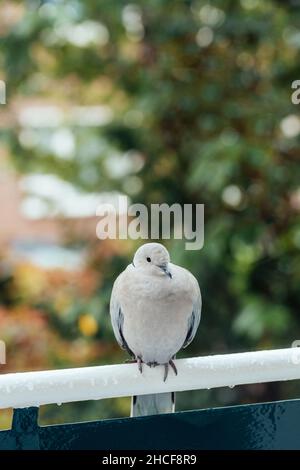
column 27, row 389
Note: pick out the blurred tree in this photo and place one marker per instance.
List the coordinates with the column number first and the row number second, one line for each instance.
column 200, row 112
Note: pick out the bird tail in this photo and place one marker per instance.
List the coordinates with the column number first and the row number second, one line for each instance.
column 144, row 405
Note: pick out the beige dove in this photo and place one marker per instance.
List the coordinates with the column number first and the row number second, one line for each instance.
column 155, row 308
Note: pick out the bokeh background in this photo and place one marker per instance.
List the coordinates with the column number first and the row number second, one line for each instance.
column 164, row 101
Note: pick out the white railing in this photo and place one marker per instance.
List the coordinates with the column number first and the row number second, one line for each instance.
column 26, row 389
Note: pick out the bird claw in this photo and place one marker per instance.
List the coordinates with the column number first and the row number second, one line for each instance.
column 172, row 364
column 166, row 371
column 140, row 364
column 137, row 360
column 152, row 364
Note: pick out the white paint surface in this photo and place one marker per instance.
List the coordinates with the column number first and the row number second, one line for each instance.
column 26, row 389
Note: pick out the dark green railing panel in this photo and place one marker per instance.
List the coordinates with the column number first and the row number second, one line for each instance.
column 24, row 433
column 261, row 426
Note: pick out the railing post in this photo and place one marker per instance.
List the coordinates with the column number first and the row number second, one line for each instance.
column 25, row 429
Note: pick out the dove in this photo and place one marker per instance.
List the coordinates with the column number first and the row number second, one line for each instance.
column 155, row 308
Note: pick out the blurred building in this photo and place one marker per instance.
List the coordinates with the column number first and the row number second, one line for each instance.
column 39, row 239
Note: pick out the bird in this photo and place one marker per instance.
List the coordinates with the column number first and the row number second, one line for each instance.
column 155, row 308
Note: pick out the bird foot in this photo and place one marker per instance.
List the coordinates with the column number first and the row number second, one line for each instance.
column 140, row 363
column 137, row 360
column 167, row 364
column 152, row 364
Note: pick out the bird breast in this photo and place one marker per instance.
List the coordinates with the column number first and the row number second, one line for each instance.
column 156, row 312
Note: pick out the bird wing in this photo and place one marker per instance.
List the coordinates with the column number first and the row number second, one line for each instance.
column 194, row 320
column 117, row 319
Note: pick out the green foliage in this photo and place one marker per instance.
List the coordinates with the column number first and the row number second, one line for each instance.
column 198, row 91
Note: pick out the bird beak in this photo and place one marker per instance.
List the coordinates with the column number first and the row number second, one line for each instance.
column 165, row 270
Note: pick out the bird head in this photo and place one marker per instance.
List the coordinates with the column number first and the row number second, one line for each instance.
column 154, row 258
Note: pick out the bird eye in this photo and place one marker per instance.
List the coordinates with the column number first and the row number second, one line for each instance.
column 149, row 259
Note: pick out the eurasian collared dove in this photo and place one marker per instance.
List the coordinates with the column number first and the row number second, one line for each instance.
column 155, row 308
